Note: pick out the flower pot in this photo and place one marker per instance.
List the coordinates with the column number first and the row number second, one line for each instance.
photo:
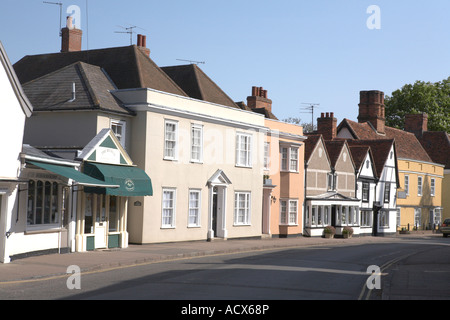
column 328, row 235
column 346, row 235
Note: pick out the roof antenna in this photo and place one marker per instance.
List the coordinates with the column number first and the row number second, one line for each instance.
column 192, row 61
column 60, row 13
column 311, row 107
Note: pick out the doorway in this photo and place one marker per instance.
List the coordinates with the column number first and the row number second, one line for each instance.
column 214, row 211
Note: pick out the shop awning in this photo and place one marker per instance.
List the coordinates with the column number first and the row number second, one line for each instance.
column 132, row 181
column 71, row 173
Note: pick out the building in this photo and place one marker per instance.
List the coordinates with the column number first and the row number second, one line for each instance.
column 284, row 150
column 330, row 186
column 215, row 145
column 419, row 178
column 437, row 145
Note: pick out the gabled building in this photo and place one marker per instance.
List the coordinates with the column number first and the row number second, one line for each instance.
column 330, row 184
column 419, row 178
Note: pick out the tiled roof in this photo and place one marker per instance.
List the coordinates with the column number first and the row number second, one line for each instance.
column 310, row 144
column 407, row 145
column 53, row 91
column 437, row 144
column 196, row 84
column 128, row 67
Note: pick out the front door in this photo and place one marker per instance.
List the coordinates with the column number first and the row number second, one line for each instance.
column 100, row 228
column 214, row 212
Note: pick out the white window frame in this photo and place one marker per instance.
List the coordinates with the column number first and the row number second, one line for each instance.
column 123, row 125
column 246, row 160
column 331, row 181
column 174, row 141
column 432, row 186
column 407, row 184
column 288, row 216
column 417, row 217
column 246, row 208
column 266, row 155
column 197, row 128
column 53, row 222
column 419, row 185
column 191, row 209
column 172, row 215
column 293, row 161
column 284, row 158
column 289, row 158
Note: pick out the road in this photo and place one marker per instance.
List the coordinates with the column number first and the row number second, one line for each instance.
column 411, row 269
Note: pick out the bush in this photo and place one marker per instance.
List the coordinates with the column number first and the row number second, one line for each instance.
column 347, row 230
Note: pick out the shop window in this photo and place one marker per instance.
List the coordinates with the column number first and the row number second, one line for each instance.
column 43, row 203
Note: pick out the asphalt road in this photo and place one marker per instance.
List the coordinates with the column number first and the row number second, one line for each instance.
column 410, row 269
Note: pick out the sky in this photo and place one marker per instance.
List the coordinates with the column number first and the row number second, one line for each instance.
column 321, row 52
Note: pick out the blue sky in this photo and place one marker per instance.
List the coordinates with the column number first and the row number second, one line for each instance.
column 300, row 51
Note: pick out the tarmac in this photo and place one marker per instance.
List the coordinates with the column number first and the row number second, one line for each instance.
column 37, row 268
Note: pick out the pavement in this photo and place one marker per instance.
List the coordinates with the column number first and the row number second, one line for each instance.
column 56, row 265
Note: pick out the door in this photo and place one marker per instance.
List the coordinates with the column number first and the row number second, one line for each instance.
column 100, row 228
column 214, row 212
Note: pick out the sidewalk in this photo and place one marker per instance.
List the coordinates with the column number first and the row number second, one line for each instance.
column 45, row 266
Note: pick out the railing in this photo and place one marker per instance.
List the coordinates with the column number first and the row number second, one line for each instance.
column 415, row 227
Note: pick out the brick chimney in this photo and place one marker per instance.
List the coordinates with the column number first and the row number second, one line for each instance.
column 371, row 109
column 416, row 123
column 71, row 37
column 326, row 126
column 142, row 44
column 259, row 99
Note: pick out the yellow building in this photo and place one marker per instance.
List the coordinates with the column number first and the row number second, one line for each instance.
column 420, row 195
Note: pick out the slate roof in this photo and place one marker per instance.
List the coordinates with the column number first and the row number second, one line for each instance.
column 52, row 92
column 129, row 67
column 407, row 145
column 196, row 84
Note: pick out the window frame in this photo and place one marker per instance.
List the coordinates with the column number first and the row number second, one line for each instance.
column 173, row 157
column 419, row 186
column 54, row 206
column 199, row 206
column 246, row 208
column 123, row 125
column 199, row 127
column 247, row 161
column 287, row 214
column 172, row 223
column 432, row 186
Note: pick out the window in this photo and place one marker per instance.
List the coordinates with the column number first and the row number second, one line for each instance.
column 196, row 143
column 407, row 184
column 194, row 208
column 288, row 212
column 293, row 159
column 113, row 214
column 242, row 208
column 387, row 191
column 332, row 181
column 432, row 186
column 170, row 140
column 365, row 192
column 119, row 127
column 243, row 150
column 168, row 208
column 384, row 218
column 289, row 159
column 365, row 218
column 43, row 203
column 419, row 185
column 284, row 159
column 417, row 216
column 266, row 155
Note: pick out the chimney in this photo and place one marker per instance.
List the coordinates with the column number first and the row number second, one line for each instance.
column 327, row 126
column 371, row 109
column 71, row 37
column 416, row 123
column 142, row 44
column 259, row 99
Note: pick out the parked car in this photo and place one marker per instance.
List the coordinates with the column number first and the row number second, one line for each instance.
column 445, row 227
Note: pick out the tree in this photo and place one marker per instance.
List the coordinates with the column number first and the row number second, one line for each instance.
column 307, row 127
column 431, row 98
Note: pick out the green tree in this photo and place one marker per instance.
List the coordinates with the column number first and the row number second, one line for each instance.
column 431, row 98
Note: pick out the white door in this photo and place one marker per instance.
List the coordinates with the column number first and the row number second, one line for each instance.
column 100, row 222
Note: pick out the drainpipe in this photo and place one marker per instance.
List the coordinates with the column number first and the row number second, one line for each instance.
column 73, row 93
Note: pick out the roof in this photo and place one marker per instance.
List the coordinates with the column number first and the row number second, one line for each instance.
column 25, row 104
column 53, row 91
column 359, row 153
column 334, row 149
column 437, row 145
column 196, row 84
column 310, row 145
column 129, row 67
column 407, row 145
column 380, row 151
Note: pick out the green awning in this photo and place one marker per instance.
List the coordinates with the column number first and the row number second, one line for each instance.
column 132, row 181
column 71, row 173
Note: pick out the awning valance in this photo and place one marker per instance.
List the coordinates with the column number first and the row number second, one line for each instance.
column 132, row 181
column 71, row 173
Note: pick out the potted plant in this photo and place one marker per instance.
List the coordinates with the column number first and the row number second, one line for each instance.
column 347, row 232
column 329, row 232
